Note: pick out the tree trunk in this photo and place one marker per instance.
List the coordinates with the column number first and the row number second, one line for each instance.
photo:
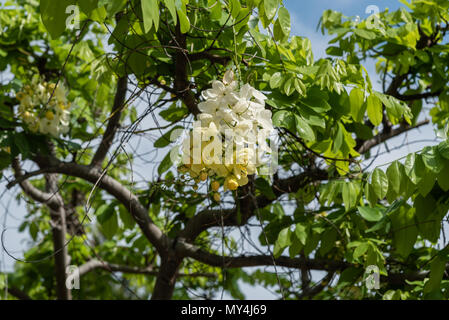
column 59, row 230
column 166, row 279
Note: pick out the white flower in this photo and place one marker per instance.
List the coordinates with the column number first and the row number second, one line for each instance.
column 39, row 114
column 238, row 122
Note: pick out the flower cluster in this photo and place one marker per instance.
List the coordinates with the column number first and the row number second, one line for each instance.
column 41, row 115
column 229, row 139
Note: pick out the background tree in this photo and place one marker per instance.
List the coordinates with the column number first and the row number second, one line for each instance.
column 134, row 71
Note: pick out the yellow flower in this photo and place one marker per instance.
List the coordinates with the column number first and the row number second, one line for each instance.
column 203, row 176
column 49, row 115
column 19, row 96
column 217, row 197
column 232, row 184
column 215, row 186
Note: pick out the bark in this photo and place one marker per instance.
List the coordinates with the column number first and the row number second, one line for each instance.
column 113, row 123
column 166, row 279
column 59, row 231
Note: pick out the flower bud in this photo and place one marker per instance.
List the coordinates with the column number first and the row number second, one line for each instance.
column 49, row 115
column 215, row 186
column 203, row 176
column 232, row 184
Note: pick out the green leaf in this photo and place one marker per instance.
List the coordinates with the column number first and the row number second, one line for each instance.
column 443, row 149
column 288, row 87
column 304, row 130
column 168, row 137
column 432, row 159
column 104, row 212
column 394, row 176
column 235, row 8
column 165, row 164
column 110, row 227
column 21, row 143
column 215, row 9
column 184, row 21
column 370, row 35
column 301, row 233
column 150, row 12
column 112, row 6
column 270, row 8
column 54, row 15
column 374, row 109
column 299, row 86
column 370, row 214
column 275, row 80
column 404, row 230
column 284, row 21
column 284, row 238
column 442, row 178
column 427, row 218
column 87, row 6
column 360, row 250
column 427, row 182
column 5, row 160
column 126, row 217
column 370, row 195
column 284, row 119
column 437, row 268
column 379, row 182
column 265, row 188
column 328, row 240
column 173, row 114
column 170, row 4
column 338, row 140
column 413, row 167
column 356, row 101
column 349, row 194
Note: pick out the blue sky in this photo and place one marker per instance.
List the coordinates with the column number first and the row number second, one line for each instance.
column 305, row 16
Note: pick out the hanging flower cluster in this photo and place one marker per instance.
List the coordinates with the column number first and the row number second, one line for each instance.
column 39, row 114
column 229, row 139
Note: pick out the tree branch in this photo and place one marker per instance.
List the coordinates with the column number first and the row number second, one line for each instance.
column 113, row 122
column 192, row 251
column 116, row 189
column 19, row 294
column 228, row 217
column 418, row 96
column 34, row 193
column 111, row 267
column 181, row 83
column 382, row 137
column 213, row 58
column 59, row 230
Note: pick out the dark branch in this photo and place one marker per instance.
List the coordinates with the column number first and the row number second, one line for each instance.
column 189, row 250
column 213, row 58
column 182, row 84
column 113, row 123
column 30, row 190
column 384, row 136
column 116, row 189
column 229, row 217
column 19, row 294
column 112, row 267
